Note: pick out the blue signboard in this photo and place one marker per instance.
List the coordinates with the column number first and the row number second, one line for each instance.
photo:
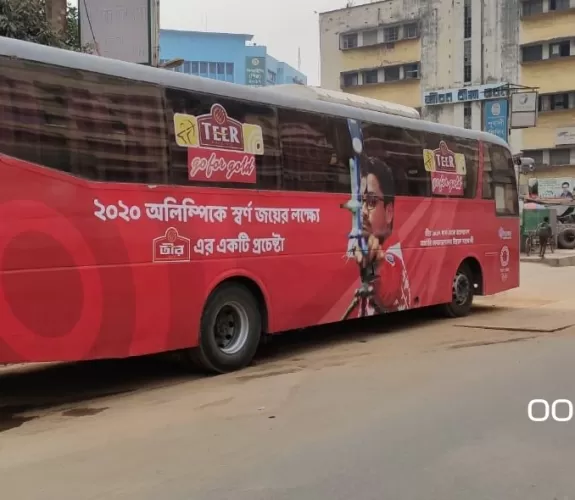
column 496, row 118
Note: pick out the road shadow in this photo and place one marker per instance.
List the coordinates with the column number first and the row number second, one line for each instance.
column 42, row 387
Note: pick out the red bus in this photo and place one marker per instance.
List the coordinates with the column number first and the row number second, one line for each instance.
column 147, row 211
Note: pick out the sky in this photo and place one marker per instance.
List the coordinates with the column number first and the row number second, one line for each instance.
column 281, row 25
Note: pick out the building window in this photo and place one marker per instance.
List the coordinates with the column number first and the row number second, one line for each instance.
column 467, row 115
column 536, row 155
column 560, row 49
column 467, row 19
column 560, row 156
column 370, row 37
column 349, row 41
column 350, row 79
column 532, row 7
column 411, row 71
column 392, row 73
column 560, row 101
column 532, row 53
column 370, row 76
column 559, row 5
column 195, row 67
column 556, row 102
column 411, row 31
column 467, row 61
column 391, row 34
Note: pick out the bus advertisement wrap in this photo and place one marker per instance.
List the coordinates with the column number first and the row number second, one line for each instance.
column 199, row 221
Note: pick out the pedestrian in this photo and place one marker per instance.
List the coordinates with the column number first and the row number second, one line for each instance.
column 544, row 234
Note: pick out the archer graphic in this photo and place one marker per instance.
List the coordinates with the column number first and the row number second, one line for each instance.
column 384, row 283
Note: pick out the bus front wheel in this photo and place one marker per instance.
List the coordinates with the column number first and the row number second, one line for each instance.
column 462, row 294
column 230, row 330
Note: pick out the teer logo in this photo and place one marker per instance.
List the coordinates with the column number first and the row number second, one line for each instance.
column 218, row 130
column 505, row 235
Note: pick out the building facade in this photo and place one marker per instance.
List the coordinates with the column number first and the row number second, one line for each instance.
column 451, row 59
column 548, row 63
column 226, row 56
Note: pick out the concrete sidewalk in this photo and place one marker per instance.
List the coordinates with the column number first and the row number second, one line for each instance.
column 560, row 258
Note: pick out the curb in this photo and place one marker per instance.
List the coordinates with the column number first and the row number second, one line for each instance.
column 566, row 261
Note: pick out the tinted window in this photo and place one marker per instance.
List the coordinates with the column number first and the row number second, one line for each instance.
column 503, row 180
column 268, row 168
column 487, row 180
column 316, row 151
column 453, row 163
column 402, row 151
column 86, row 124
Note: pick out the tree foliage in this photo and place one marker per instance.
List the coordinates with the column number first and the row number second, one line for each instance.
column 26, row 20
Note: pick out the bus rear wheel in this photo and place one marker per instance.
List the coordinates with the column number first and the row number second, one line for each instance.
column 462, row 294
column 230, row 330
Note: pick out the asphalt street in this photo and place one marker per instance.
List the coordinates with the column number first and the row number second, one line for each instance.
column 418, row 408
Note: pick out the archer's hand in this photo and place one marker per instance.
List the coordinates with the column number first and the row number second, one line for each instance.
column 374, row 252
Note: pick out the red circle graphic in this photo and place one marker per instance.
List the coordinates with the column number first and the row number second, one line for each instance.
column 37, row 217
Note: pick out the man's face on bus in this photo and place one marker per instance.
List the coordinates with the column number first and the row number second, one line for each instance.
column 377, row 217
column 565, row 188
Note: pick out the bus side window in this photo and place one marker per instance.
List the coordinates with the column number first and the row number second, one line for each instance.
column 503, row 181
column 268, row 171
column 89, row 125
column 487, row 174
column 457, row 149
column 470, row 148
column 401, row 150
column 315, row 152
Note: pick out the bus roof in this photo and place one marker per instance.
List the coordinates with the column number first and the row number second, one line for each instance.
column 85, row 62
column 317, row 93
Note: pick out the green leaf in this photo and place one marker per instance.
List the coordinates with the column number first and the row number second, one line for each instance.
column 26, row 20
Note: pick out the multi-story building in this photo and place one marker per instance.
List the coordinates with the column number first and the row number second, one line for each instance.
column 226, row 56
column 451, row 59
column 448, row 58
column 548, row 63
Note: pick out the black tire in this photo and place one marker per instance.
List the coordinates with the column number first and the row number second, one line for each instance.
column 230, row 303
column 566, row 239
column 460, row 305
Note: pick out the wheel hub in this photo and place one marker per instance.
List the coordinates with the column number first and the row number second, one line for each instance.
column 231, row 328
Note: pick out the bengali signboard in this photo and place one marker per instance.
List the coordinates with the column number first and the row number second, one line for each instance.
column 552, row 188
column 496, row 121
column 565, row 136
column 524, row 106
column 255, row 71
column 465, row 94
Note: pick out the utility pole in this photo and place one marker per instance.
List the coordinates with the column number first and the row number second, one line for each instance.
column 56, row 14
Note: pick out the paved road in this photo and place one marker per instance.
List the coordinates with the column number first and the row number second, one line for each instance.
column 428, row 411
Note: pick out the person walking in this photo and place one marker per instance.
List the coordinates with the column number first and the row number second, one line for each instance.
column 544, row 234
